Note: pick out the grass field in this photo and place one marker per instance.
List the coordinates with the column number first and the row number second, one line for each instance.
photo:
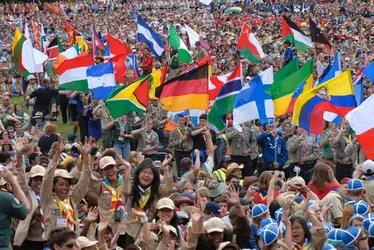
column 63, row 129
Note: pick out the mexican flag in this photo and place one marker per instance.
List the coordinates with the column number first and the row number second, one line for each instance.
column 176, row 42
column 292, row 33
column 249, row 46
column 72, row 73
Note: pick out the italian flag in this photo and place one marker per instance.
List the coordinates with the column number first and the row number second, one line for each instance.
column 176, row 42
column 292, row 33
column 249, row 46
column 72, row 73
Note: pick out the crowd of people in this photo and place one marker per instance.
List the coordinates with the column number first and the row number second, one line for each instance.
column 154, row 181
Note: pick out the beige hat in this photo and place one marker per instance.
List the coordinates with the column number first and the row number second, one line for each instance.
column 232, row 166
column 63, row 173
column 37, row 171
column 107, row 161
column 83, row 242
column 297, row 182
column 172, row 229
column 165, row 203
column 30, row 77
column 214, row 225
column 228, row 244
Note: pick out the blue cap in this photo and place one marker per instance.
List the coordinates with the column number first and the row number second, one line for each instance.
column 268, row 221
column 259, row 210
column 278, row 215
column 350, row 235
column 356, row 216
column 371, row 230
column 212, row 208
column 328, row 247
column 310, row 225
column 269, row 234
column 355, row 184
column 327, row 226
column 270, row 122
column 335, row 237
column 361, row 207
column 369, row 219
column 72, row 137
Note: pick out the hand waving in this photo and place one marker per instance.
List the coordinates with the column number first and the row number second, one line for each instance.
column 93, row 214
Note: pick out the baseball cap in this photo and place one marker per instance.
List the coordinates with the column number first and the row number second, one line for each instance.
column 214, row 225
column 269, row 234
column 226, row 158
column 355, row 184
column 259, row 210
column 368, row 167
column 165, row 203
column 30, row 77
column 37, row 170
column 297, row 182
column 213, row 208
column 83, row 242
column 361, row 207
column 350, row 235
column 63, row 173
column 107, row 161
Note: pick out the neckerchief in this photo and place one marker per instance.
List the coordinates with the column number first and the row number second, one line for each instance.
column 148, row 138
column 115, row 192
column 145, row 194
column 82, row 221
column 67, row 212
column 37, row 195
column 304, row 247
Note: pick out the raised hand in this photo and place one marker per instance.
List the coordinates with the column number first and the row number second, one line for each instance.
column 232, row 196
column 140, row 214
column 86, row 148
column 103, row 225
column 164, row 227
column 20, row 146
column 93, row 214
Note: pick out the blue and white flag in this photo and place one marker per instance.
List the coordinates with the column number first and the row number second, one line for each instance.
column 369, row 72
column 101, row 80
column 252, row 102
column 148, row 36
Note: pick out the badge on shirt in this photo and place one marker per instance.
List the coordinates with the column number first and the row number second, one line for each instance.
column 61, row 222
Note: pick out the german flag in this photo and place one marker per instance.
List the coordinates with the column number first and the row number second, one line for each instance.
column 186, row 91
column 129, row 98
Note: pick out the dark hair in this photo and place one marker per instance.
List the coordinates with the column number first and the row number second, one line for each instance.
column 147, row 163
column 59, row 236
column 302, row 221
column 4, row 156
column 32, row 157
column 287, row 42
column 203, row 116
column 174, row 222
column 281, row 120
column 230, row 177
column 274, row 206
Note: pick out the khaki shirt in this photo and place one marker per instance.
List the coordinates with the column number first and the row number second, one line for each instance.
column 307, row 148
column 242, row 143
column 147, row 140
column 337, row 201
column 338, row 149
column 175, row 139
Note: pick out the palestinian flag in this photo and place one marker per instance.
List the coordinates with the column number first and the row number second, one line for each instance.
column 176, row 42
column 317, row 35
column 249, row 46
column 234, row 9
column 292, row 33
column 54, row 48
column 72, row 73
column 17, row 47
column 156, row 79
column 129, row 98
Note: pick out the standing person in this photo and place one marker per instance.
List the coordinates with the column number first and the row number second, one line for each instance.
column 83, row 101
column 32, row 85
column 64, row 100
column 288, row 53
column 43, row 96
column 324, row 142
column 159, row 116
column 122, row 136
column 274, row 150
column 16, row 206
column 181, row 140
column 200, row 53
column 148, row 142
column 107, row 133
column 94, row 124
column 73, row 111
column 59, row 201
column 146, row 62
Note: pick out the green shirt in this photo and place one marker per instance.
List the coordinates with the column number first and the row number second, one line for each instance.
column 127, row 130
column 10, row 207
column 326, row 150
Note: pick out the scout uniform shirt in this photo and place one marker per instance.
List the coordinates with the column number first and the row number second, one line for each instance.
column 241, row 143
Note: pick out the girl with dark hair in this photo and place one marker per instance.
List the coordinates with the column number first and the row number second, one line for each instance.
column 62, row 239
column 143, row 194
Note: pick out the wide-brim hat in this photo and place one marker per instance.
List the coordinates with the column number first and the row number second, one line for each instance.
column 216, row 189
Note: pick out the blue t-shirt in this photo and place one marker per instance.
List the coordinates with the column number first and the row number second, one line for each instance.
column 288, row 55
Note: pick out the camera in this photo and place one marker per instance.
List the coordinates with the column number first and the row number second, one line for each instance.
column 118, row 215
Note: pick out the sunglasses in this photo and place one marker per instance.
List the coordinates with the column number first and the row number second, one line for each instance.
column 70, row 245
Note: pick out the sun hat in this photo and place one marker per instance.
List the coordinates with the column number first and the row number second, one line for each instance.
column 213, row 208
column 278, row 214
column 30, row 77
column 37, row 170
column 165, row 203
column 83, row 242
column 214, row 225
column 361, row 207
column 355, row 184
column 228, row 244
column 216, row 188
column 259, row 210
column 334, row 237
column 63, row 173
column 232, row 166
column 350, row 235
column 107, row 161
column 269, row 234
column 183, row 199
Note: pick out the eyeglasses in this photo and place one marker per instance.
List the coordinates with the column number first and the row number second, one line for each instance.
column 70, row 245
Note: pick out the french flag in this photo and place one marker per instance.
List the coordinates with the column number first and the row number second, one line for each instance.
column 96, row 43
column 361, row 121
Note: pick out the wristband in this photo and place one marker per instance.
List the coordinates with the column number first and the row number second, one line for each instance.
column 143, row 220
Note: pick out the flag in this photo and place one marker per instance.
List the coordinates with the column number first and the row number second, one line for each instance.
column 215, row 85
column 206, row 59
column 249, row 46
column 54, row 48
column 96, row 43
column 71, row 33
column 72, row 73
column 252, row 102
column 284, row 86
column 358, row 86
column 236, row 9
column 369, row 72
column 176, row 42
column 27, row 31
column 70, row 53
column 132, row 69
column 186, row 91
column 225, row 100
column 101, row 80
column 107, row 54
column 206, row 2
column 43, row 40
column 20, row 22
column 151, row 38
column 317, row 35
column 335, row 95
column 83, row 46
column 332, row 70
column 129, row 98
column 320, row 68
column 292, row 33
column 194, row 37
column 35, row 27
column 17, row 46
column 117, row 47
column 32, row 59
column 361, row 121
column 156, row 79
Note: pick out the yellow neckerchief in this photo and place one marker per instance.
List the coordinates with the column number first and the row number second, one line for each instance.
column 347, row 139
column 146, row 194
column 115, row 192
column 180, row 133
column 299, row 202
column 67, row 212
